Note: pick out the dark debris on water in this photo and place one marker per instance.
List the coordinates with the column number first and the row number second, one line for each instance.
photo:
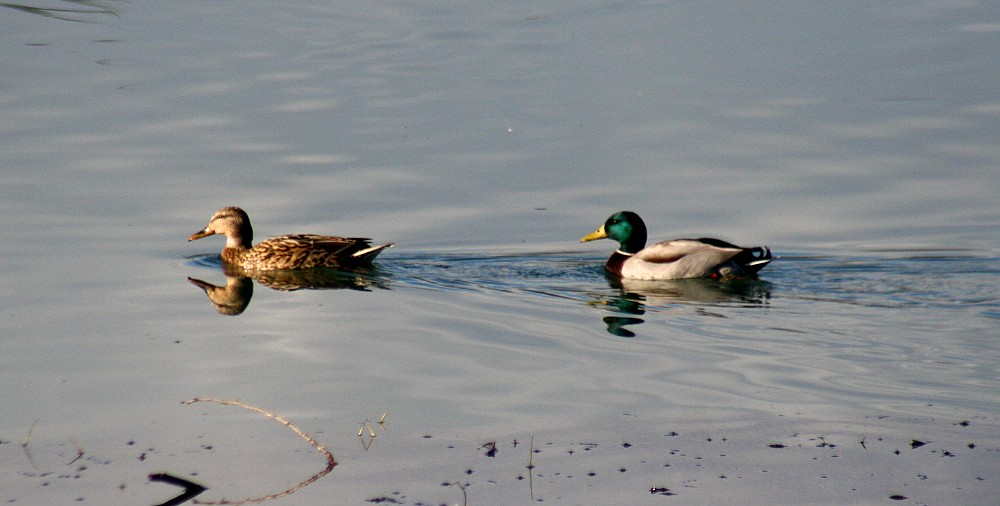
column 529, row 468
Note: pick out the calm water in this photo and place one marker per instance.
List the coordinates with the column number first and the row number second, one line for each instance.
column 858, row 140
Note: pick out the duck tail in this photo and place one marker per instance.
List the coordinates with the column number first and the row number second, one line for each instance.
column 756, row 259
column 369, row 254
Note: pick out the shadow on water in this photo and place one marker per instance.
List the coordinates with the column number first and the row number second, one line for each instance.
column 233, row 298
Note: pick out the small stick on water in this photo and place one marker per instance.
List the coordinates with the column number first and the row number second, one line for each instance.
column 79, row 451
column 465, row 498
column 27, row 437
column 531, row 467
column 330, row 461
column 531, row 452
column 24, row 446
column 366, row 442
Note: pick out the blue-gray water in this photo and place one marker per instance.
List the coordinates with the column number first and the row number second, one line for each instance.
column 858, row 140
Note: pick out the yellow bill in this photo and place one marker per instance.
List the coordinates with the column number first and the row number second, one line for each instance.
column 595, row 235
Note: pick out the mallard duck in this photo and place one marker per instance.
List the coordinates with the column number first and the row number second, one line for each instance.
column 299, row 251
column 676, row 259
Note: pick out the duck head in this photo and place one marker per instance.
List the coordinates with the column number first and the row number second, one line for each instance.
column 231, row 222
column 625, row 227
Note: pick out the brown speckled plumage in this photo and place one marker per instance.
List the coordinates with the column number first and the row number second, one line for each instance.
column 297, row 251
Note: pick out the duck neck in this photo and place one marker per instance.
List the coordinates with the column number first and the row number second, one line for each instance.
column 242, row 239
column 635, row 242
column 237, row 243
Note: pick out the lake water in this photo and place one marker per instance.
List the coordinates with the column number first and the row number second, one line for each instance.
column 857, row 139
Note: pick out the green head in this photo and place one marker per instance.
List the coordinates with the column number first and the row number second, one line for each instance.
column 625, row 227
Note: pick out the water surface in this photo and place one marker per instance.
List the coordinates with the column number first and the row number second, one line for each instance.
column 857, row 140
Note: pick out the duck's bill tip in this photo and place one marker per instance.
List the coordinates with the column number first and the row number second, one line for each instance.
column 595, row 235
column 199, row 234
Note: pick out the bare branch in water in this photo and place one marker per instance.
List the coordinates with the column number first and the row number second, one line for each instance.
column 24, row 445
column 330, row 461
column 367, row 440
column 79, row 451
column 531, row 468
column 465, row 498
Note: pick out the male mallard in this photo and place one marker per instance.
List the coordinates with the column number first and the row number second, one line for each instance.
column 300, row 251
column 676, row 259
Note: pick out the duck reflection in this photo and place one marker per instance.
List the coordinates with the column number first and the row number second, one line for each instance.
column 634, row 296
column 231, row 299
column 234, row 297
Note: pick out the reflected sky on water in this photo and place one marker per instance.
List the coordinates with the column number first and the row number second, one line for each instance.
column 857, row 140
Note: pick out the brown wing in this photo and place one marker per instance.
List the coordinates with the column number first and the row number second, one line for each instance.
column 304, row 251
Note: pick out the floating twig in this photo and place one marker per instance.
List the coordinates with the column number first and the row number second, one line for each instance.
column 465, row 498
column 531, row 467
column 366, row 442
column 79, row 452
column 27, row 437
column 531, row 452
column 24, row 446
column 330, row 461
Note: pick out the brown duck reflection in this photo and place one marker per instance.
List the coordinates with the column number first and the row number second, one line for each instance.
column 233, row 298
column 636, row 295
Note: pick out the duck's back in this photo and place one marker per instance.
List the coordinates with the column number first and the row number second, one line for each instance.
column 677, row 259
column 302, row 251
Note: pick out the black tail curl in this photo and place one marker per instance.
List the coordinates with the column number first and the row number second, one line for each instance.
column 754, row 259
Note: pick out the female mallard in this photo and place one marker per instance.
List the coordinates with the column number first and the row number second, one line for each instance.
column 300, row 251
column 676, row 259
